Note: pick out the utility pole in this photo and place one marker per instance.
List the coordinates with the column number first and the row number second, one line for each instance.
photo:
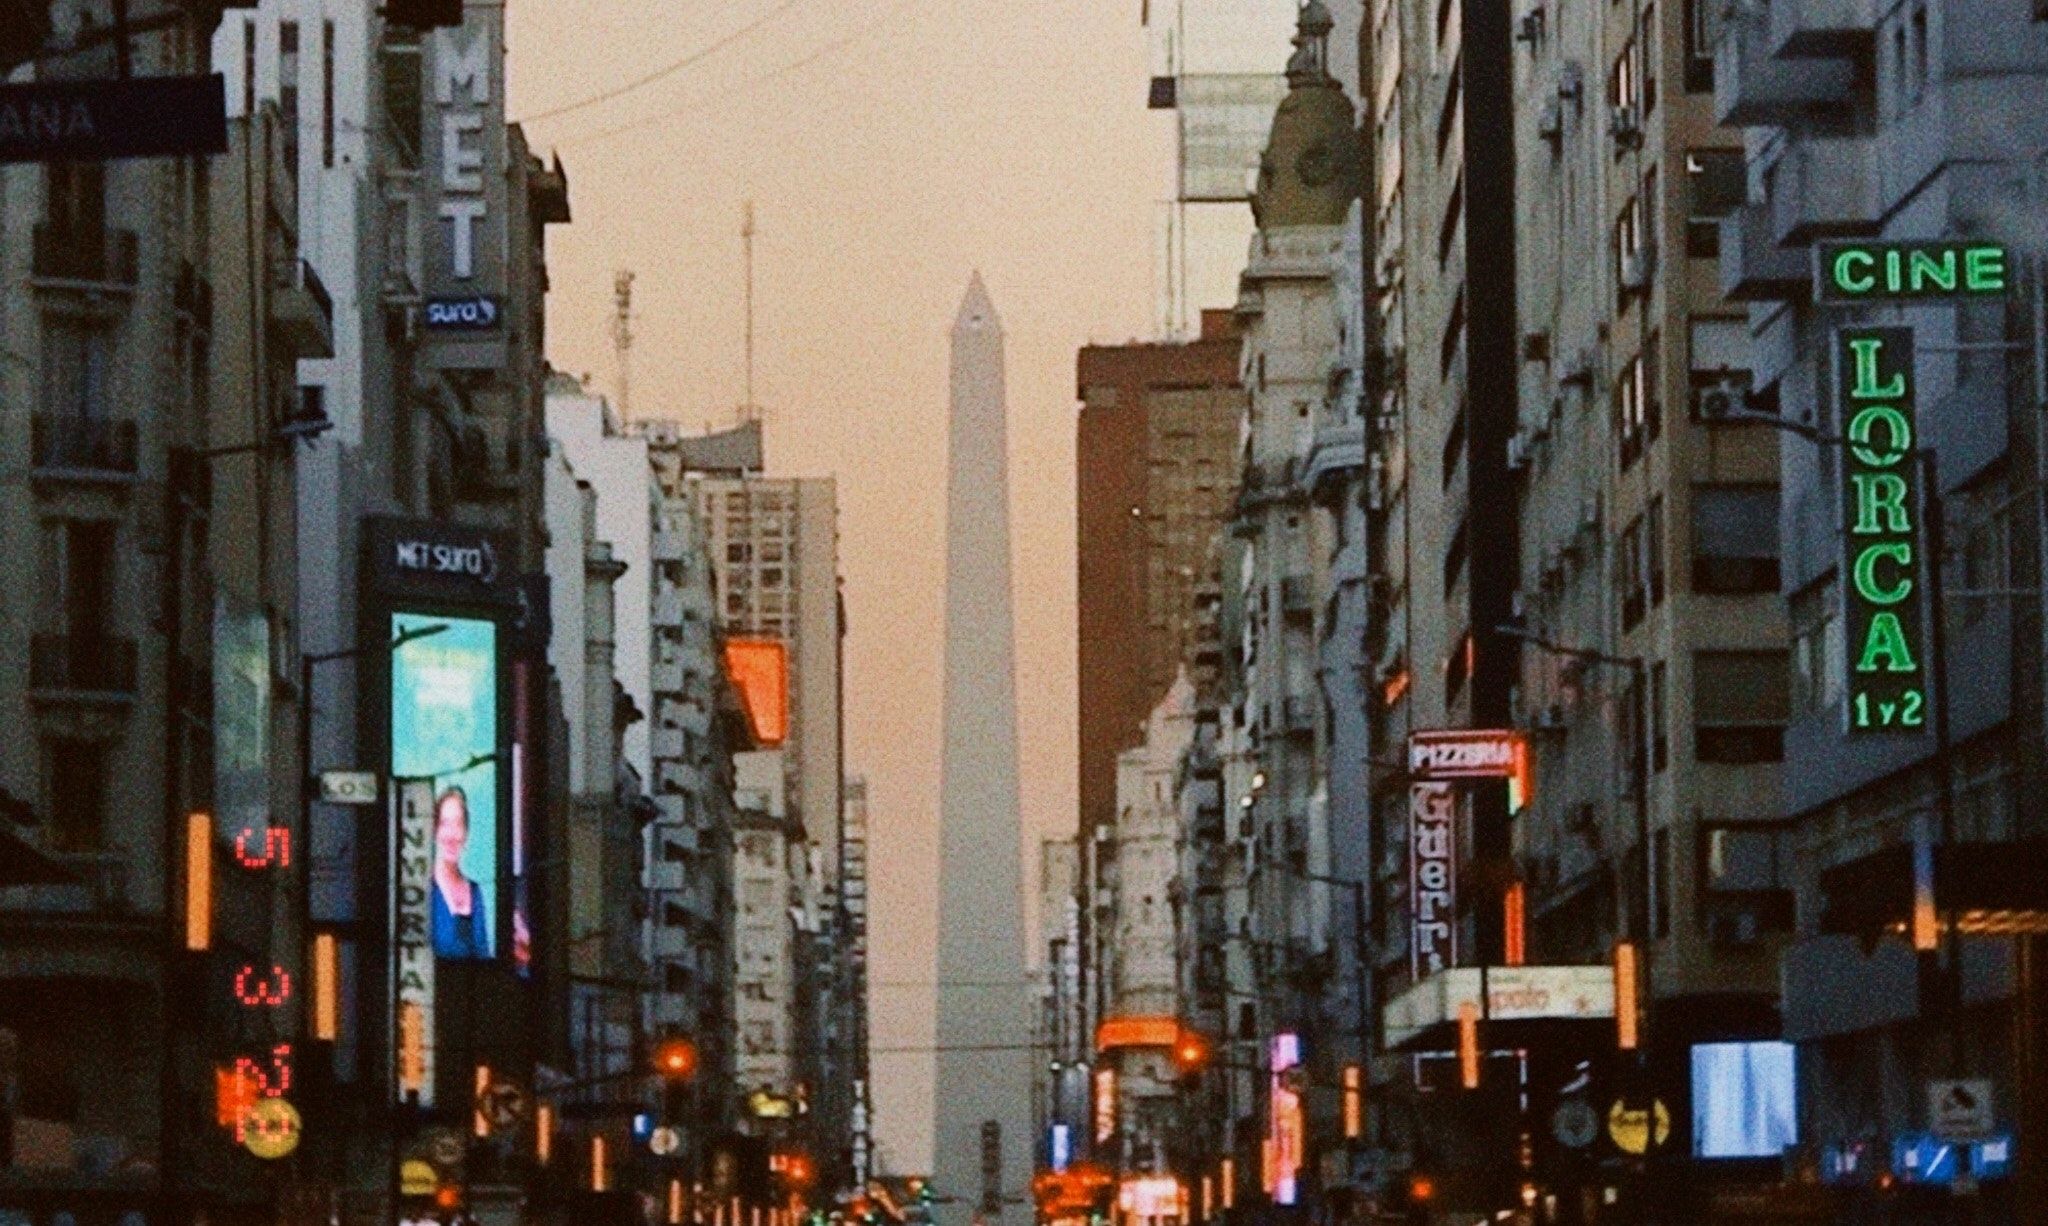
column 622, row 338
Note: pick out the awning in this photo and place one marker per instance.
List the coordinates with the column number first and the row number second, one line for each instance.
column 1994, row 889
column 1513, row 994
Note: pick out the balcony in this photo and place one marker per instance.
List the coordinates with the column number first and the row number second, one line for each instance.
column 1338, row 455
column 668, row 675
column 79, row 447
column 81, row 668
column 1297, row 597
column 302, row 314
column 1752, row 87
column 1754, row 268
column 1824, row 189
column 1821, row 28
column 82, row 258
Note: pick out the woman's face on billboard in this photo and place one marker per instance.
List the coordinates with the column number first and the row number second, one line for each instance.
column 451, row 826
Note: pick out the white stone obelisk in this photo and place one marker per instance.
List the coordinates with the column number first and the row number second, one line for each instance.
column 984, row 1011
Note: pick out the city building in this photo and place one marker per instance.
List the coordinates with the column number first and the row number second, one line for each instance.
column 769, row 873
column 1155, row 448
column 153, row 606
column 1278, row 700
column 1063, row 1034
column 1860, row 126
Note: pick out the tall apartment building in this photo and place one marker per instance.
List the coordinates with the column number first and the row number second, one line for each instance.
column 1061, row 1108
column 1647, row 536
column 768, row 888
column 1866, row 124
column 1154, row 451
column 153, row 447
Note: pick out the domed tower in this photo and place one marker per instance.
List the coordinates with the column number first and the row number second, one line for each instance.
column 1309, row 173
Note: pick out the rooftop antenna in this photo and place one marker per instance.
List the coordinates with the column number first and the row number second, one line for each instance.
column 622, row 338
column 749, row 412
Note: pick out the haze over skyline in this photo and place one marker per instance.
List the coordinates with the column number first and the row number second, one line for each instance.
column 890, row 149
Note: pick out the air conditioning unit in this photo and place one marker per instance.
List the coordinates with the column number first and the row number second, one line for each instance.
column 1576, row 369
column 1721, row 399
column 1550, row 122
column 1536, row 346
column 1637, row 267
column 1625, row 126
column 1571, row 82
column 1734, row 929
column 1520, row 449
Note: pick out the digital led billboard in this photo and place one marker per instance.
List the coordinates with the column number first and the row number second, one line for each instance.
column 1744, row 1100
column 444, row 733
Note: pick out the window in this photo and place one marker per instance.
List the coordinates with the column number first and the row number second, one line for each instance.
column 1735, row 539
column 1816, row 648
column 288, row 92
column 1454, row 212
column 77, row 200
column 1714, row 187
column 1918, row 75
column 75, row 375
column 75, row 793
column 1630, row 412
column 1660, row 738
column 1653, row 550
column 1628, row 567
column 1635, row 723
column 1740, row 703
column 1647, row 42
column 1702, row 32
column 1651, row 390
column 1454, row 445
column 1454, row 560
column 1660, row 882
column 327, row 94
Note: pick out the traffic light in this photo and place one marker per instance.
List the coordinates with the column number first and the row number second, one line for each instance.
column 1190, row 1059
column 423, row 14
column 675, row 1059
column 1419, row 1199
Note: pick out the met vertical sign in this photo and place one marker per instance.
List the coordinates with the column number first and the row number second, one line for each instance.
column 1881, row 529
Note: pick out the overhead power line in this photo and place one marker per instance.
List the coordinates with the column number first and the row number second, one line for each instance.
column 664, row 72
column 880, row 24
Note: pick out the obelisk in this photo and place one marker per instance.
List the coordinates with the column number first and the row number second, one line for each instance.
column 984, row 1010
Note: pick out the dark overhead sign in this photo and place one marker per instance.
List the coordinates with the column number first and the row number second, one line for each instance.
column 1881, row 509
column 1847, row 271
column 92, row 121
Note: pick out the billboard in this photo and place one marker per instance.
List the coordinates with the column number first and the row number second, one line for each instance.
column 759, row 671
column 444, row 735
column 1225, row 121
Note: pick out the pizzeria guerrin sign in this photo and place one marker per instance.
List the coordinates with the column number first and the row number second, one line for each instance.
column 1881, row 496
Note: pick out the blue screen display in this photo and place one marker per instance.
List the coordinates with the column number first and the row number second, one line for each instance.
column 1744, row 1100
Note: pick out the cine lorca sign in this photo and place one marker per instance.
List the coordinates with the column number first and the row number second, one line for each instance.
column 1847, row 271
column 1881, row 517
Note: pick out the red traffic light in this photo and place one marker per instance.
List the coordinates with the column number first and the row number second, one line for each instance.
column 676, row 1059
column 1190, row 1053
column 448, row 1196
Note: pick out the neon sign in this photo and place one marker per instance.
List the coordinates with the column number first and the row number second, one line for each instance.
column 1432, row 879
column 1887, row 686
column 251, row 1093
column 1847, row 271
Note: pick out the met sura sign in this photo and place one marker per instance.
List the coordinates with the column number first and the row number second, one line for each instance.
column 1882, row 502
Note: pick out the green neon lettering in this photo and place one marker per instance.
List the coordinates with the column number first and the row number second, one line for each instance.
column 1894, row 279
column 1880, row 492
column 1866, row 387
column 1885, row 643
column 1851, row 282
column 1899, row 430
column 1935, row 268
column 1867, row 582
column 1984, row 269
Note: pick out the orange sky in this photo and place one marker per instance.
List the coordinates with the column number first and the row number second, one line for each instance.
column 959, row 134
